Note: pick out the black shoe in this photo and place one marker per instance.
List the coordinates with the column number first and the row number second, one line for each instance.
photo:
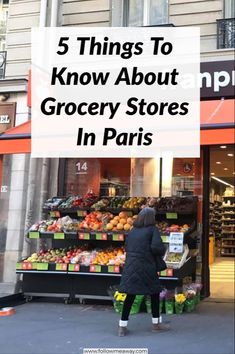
column 122, row 331
column 156, row 327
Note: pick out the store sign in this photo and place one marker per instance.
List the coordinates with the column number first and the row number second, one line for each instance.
column 7, row 116
column 4, row 189
column 176, row 240
column 217, row 79
column 5, row 119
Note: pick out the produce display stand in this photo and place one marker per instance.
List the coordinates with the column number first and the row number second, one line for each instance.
column 75, row 281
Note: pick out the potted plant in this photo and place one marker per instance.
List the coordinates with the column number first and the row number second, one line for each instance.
column 179, row 303
column 189, row 304
column 169, row 302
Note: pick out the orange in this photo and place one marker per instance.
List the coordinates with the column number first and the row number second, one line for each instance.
column 122, row 214
column 123, row 221
column 109, row 226
column 120, row 226
column 127, row 227
column 130, row 221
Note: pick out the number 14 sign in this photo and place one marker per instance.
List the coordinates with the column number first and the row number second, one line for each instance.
column 81, row 168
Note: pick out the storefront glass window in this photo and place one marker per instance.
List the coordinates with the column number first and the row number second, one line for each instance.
column 186, row 177
column 104, row 177
column 187, row 180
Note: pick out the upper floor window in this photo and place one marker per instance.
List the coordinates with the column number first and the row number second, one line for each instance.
column 4, row 5
column 137, row 13
column 147, row 12
column 226, row 27
column 229, row 9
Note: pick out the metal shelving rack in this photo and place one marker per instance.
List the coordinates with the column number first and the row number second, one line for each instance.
column 92, row 282
column 228, row 227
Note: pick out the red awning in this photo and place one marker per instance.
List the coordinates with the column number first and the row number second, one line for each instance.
column 217, row 122
column 217, row 113
column 16, row 140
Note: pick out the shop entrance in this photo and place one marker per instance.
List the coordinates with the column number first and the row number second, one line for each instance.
column 222, row 221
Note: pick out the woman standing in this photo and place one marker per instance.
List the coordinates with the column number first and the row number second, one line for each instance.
column 139, row 276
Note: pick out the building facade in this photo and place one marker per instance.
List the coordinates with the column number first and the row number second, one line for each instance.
column 25, row 182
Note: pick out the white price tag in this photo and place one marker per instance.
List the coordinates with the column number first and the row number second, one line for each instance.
column 176, row 240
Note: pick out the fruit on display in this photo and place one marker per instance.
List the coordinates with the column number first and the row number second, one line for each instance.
column 79, row 202
column 79, row 255
column 96, row 220
column 53, row 203
column 117, row 202
column 175, row 204
column 166, row 229
column 112, row 256
column 101, row 204
column 57, row 255
column 134, row 203
column 173, row 257
column 65, row 224
column 121, row 222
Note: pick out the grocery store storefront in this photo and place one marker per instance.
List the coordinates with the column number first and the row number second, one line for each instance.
column 179, row 189
column 217, row 138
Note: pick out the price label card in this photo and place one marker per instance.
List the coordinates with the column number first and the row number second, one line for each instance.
column 42, row 266
column 55, row 214
column 100, row 236
column 171, row 215
column 116, row 269
column 113, row 269
column 29, row 266
column 25, row 265
column 34, row 234
column 118, row 237
column 81, row 213
column 95, row 268
column 176, row 240
column 61, row 266
column 19, row 265
column 169, row 272
column 58, row 236
column 84, row 236
column 74, row 267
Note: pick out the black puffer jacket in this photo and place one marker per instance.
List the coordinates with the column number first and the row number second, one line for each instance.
column 140, row 274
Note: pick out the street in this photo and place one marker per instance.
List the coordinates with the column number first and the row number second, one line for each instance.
column 48, row 328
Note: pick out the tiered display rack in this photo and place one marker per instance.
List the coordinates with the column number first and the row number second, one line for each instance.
column 71, row 281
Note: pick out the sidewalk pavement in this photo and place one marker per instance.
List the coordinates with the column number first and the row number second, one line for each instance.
column 51, row 328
